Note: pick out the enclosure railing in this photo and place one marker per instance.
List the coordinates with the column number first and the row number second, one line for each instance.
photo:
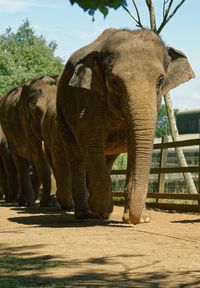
column 170, row 201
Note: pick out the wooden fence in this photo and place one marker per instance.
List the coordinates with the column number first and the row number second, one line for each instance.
column 170, row 201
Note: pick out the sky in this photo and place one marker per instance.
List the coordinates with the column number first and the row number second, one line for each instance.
column 71, row 28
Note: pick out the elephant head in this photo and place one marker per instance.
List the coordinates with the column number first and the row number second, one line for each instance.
column 129, row 71
column 35, row 97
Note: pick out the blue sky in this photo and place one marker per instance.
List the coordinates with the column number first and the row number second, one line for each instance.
column 71, row 28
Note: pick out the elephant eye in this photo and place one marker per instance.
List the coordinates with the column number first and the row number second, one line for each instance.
column 33, row 96
column 160, row 82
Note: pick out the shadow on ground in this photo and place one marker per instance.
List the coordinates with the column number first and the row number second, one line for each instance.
column 21, row 268
column 55, row 218
column 190, row 221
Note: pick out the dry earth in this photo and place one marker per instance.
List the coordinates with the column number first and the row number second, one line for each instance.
column 48, row 248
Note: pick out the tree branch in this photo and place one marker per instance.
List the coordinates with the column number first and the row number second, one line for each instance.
column 166, row 11
column 137, row 12
column 164, row 5
column 167, row 18
column 151, row 14
column 139, row 24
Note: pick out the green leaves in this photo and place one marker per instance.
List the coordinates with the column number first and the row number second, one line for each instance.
column 102, row 5
column 162, row 127
column 24, row 55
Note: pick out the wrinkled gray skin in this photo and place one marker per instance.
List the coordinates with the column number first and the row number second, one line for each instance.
column 23, row 133
column 107, row 102
column 8, row 173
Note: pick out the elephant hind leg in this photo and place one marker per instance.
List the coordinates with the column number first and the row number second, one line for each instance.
column 26, row 195
column 3, row 184
column 11, row 179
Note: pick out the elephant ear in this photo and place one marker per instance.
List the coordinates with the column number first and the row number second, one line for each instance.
column 23, row 101
column 85, row 82
column 88, row 74
column 178, row 70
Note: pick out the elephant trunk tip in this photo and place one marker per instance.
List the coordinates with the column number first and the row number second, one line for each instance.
column 139, row 220
column 134, row 220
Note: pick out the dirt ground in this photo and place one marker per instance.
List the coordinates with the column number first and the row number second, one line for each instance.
column 48, row 248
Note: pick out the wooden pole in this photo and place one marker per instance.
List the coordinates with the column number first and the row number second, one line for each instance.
column 175, row 137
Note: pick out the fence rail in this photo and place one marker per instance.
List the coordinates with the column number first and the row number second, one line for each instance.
column 170, row 201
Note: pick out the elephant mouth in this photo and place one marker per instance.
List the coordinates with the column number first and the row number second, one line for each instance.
column 113, row 150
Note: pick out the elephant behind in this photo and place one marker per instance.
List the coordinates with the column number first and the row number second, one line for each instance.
column 23, row 133
column 107, row 102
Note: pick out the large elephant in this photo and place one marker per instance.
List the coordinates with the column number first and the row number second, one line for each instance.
column 23, row 132
column 107, row 102
column 8, row 174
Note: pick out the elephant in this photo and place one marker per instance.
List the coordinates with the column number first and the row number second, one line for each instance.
column 8, row 173
column 108, row 97
column 41, row 108
column 23, row 132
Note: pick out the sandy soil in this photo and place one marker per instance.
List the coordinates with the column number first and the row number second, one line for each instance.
column 48, row 248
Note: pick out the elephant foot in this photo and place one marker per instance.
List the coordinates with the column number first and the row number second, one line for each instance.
column 103, row 215
column 145, row 218
column 85, row 214
column 67, row 205
column 49, row 201
column 103, row 211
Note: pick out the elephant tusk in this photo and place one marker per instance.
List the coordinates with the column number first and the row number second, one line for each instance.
column 82, row 113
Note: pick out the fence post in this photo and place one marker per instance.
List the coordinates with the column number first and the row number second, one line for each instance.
column 162, row 164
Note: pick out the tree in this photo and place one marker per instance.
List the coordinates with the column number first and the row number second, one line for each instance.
column 162, row 126
column 102, row 5
column 24, row 55
column 169, row 9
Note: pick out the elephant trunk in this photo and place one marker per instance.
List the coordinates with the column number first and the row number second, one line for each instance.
column 141, row 122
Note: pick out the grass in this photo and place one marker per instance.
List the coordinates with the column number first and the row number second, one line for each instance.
column 21, row 272
column 10, row 263
column 24, row 283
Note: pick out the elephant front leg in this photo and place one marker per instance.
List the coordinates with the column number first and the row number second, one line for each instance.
column 44, row 173
column 80, row 192
column 62, row 172
column 99, row 185
column 35, row 180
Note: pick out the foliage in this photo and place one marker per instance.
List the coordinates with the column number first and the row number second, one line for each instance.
column 102, row 5
column 24, row 55
column 121, row 162
column 162, row 126
column 25, row 271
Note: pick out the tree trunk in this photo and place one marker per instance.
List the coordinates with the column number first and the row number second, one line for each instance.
column 175, row 137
